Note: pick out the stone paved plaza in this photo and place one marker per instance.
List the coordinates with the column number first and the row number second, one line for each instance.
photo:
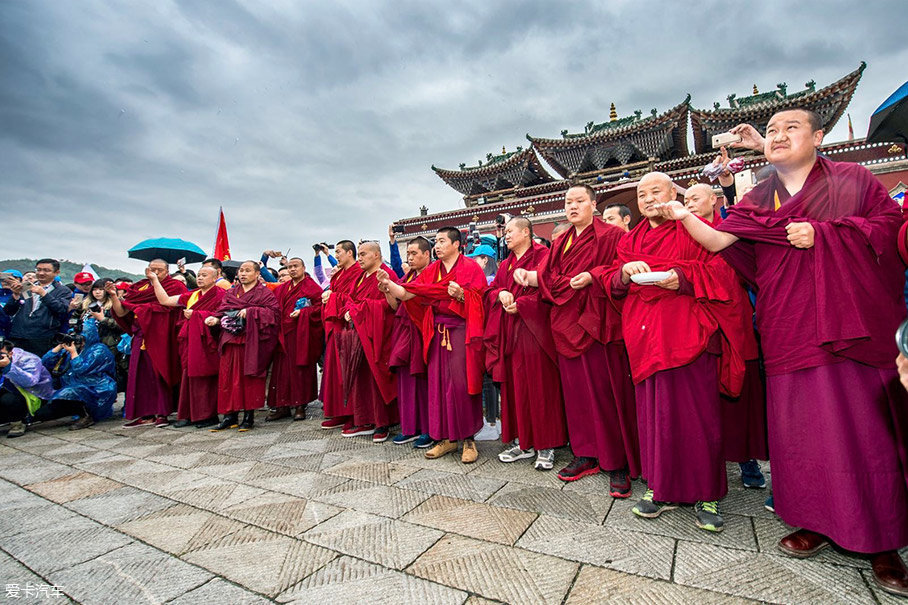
column 291, row 513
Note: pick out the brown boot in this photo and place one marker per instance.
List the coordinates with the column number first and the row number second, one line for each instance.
column 278, row 413
column 803, row 543
column 889, row 573
column 469, row 454
column 300, row 413
column 441, row 448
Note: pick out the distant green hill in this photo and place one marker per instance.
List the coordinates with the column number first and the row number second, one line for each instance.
column 68, row 269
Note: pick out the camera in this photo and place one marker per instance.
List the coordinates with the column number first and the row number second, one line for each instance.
column 502, row 219
column 397, row 229
column 68, row 339
column 318, row 247
column 95, row 307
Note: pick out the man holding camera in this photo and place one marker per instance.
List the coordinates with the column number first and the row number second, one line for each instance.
column 85, row 370
column 818, row 238
column 25, row 385
column 37, row 307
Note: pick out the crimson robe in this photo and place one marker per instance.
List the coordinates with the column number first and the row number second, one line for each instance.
column 520, row 355
column 837, row 415
column 595, row 378
column 366, row 352
column 452, row 345
column 294, row 377
column 332, row 389
column 199, row 356
column 410, row 365
column 684, row 346
column 154, row 365
column 245, row 356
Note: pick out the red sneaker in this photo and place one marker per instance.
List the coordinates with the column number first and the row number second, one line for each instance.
column 161, row 422
column 356, row 431
column 139, row 422
column 380, row 435
column 580, row 467
column 333, row 423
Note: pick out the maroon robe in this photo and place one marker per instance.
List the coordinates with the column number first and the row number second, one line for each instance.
column 837, row 415
column 520, row 355
column 154, row 365
column 595, row 378
column 294, row 377
column 452, row 345
column 366, row 352
column 410, row 366
column 199, row 356
column 245, row 356
column 332, row 389
column 684, row 346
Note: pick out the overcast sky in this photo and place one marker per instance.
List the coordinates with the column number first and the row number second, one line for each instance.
column 312, row 121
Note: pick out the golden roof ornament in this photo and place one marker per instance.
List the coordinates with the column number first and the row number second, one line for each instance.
column 503, row 150
column 756, row 92
column 613, row 114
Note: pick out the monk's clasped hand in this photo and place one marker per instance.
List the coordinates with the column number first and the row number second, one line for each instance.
column 800, row 235
column 455, row 291
column 505, row 298
column 511, row 309
column 242, row 313
column 581, row 280
column 211, row 321
column 187, row 313
column 295, row 313
column 521, row 277
column 325, row 296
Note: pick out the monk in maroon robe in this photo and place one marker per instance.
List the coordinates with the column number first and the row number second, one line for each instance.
column 445, row 301
column 744, row 417
column 294, row 377
column 687, row 337
column 365, row 351
column 199, row 355
column 407, row 359
column 154, row 366
column 334, row 299
column 249, row 321
column 520, row 355
column 595, row 377
column 818, row 241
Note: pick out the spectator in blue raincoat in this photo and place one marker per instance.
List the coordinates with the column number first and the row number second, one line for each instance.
column 86, row 371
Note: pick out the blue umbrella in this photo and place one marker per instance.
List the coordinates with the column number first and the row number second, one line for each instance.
column 889, row 123
column 169, row 249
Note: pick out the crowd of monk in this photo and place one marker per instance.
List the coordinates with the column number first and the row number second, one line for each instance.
column 641, row 350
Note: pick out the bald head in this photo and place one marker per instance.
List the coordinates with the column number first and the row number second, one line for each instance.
column 369, row 256
column 654, row 188
column 701, row 200
column 518, row 234
column 206, row 277
column 160, row 268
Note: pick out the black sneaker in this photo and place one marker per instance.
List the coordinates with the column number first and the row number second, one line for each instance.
column 82, row 423
column 751, row 475
column 708, row 516
column 649, row 508
column 208, row 422
column 580, row 467
column 619, row 484
column 248, row 421
column 182, row 423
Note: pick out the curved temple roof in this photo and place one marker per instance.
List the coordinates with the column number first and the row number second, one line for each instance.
column 509, row 170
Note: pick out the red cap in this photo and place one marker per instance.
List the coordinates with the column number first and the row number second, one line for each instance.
column 83, row 278
column 122, row 285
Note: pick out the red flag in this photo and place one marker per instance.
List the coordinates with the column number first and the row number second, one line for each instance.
column 221, row 244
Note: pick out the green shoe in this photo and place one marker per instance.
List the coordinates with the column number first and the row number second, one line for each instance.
column 708, row 516
column 649, row 508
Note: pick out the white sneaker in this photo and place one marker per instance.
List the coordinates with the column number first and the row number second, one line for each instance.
column 545, row 460
column 514, row 454
column 488, row 432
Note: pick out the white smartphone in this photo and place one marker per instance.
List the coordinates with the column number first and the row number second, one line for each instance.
column 725, row 138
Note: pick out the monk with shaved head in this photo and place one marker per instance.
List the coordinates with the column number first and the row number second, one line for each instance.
column 701, row 200
column 818, row 240
column 154, row 366
column 198, row 348
column 364, row 350
column 247, row 324
column 687, row 326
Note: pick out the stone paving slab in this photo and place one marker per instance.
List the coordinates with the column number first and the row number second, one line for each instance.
column 219, row 592
column 281, row 513
column 372, row 584
column 451, row 484
column 549, row 501
column 73, row 487
column 598, row 585
column 133, row 574
column 472, row 519
column 179, row 528
column 385, row 500
column 260, row 560
column 388, row 542
column 623, row 550
column 496, row 571
column 767, row 578
column 119, row 506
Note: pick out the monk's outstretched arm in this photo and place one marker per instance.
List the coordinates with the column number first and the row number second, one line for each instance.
column 397, row 291
column 709, row 238
column 161, row 294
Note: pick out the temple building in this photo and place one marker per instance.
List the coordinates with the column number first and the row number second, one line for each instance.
column 611, row 157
